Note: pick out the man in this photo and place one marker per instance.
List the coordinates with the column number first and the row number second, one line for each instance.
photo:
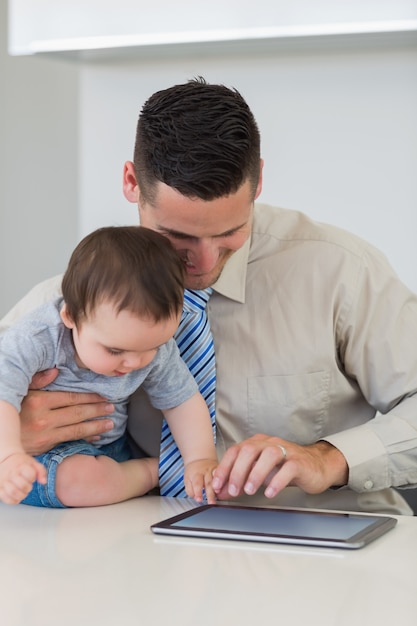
column 316, row 401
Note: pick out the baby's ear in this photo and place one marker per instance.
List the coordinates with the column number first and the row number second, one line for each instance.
column 65, row 317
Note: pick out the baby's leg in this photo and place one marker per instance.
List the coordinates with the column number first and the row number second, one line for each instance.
column 83, row 480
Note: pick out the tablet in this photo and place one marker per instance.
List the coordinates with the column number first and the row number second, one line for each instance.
column 279, row 525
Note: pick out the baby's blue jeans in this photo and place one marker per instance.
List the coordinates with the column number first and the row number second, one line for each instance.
column 45, row 495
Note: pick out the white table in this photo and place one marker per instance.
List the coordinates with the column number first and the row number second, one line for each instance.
column 103, row 566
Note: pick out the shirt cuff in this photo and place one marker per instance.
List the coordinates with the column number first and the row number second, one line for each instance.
column 366, row 457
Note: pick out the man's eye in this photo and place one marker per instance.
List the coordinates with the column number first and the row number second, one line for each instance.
column 230, row 234
column 180, row 237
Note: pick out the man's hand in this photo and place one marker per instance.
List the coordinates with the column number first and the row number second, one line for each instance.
column 52, row 417
column 261, row 461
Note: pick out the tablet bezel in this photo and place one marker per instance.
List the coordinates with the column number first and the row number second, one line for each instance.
column 379, row 525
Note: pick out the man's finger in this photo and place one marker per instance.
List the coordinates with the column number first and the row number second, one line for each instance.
column 49, row 418
column 222, row 471
column 281, row 479
column 84, row 430
column 41, row 379
column 37, row 401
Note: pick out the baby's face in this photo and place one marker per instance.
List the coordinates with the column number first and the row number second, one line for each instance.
column 114, row 344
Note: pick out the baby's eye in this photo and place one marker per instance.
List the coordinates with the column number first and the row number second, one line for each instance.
column 114, row 352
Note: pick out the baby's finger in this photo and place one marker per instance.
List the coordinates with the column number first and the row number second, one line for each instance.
column 210, row 493
column 40, row 473
column 28, row 471
column 198, row 485
column 189, row 489
column 13, row 493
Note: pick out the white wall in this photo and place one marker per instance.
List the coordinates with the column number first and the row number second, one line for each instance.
column 38, row 168
column 92, row 24
column 338, row 122
column 339, row 129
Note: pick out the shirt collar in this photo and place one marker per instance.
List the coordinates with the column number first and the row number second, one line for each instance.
column 232, row 281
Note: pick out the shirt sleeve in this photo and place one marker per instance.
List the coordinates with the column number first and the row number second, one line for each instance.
column 170, row 382
column 21, row 356
column 377, row 342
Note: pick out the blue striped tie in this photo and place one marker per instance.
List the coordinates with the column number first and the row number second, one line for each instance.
column 196, row 347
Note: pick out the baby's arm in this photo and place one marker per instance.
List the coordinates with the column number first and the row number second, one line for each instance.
column 18, row 470
column 191, row 428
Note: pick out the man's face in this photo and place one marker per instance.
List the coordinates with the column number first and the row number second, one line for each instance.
column 205, row 233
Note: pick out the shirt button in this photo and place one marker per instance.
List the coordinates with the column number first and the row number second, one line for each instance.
column 368, row 484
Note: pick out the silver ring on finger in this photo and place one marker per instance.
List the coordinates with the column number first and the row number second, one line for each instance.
column 283, row 450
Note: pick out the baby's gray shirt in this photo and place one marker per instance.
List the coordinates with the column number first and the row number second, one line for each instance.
column 41, row 340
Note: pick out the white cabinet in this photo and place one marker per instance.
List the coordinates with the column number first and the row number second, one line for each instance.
column 45, row 26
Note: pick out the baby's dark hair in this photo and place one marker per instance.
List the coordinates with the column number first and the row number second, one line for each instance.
column 132, row 267
column 198, row 138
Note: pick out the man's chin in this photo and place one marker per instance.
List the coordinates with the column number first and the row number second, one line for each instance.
column 200, row 282
column 197, row 283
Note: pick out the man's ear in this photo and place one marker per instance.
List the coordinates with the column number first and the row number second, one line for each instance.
column 259, row 187
column 130, row 185
column 66, row 318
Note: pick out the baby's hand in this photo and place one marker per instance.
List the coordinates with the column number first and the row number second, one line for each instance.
column 18, row 472
column 198, row 475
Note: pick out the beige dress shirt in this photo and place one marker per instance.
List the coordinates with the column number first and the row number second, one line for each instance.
column 315, row 338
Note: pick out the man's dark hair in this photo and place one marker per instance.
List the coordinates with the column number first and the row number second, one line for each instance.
column 132, row 267
column 198, row 138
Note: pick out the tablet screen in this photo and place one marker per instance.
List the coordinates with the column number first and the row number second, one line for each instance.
column 301, row 526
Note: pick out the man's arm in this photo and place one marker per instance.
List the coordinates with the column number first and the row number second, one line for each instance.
column 375, row 347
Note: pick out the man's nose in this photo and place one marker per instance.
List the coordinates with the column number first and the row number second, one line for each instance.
column 204, row 254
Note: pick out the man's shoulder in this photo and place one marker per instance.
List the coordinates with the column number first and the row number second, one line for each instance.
column 43, row 322
column 288, row 227
column 45, row 291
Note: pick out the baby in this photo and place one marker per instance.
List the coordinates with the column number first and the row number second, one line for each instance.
column 111, row 332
